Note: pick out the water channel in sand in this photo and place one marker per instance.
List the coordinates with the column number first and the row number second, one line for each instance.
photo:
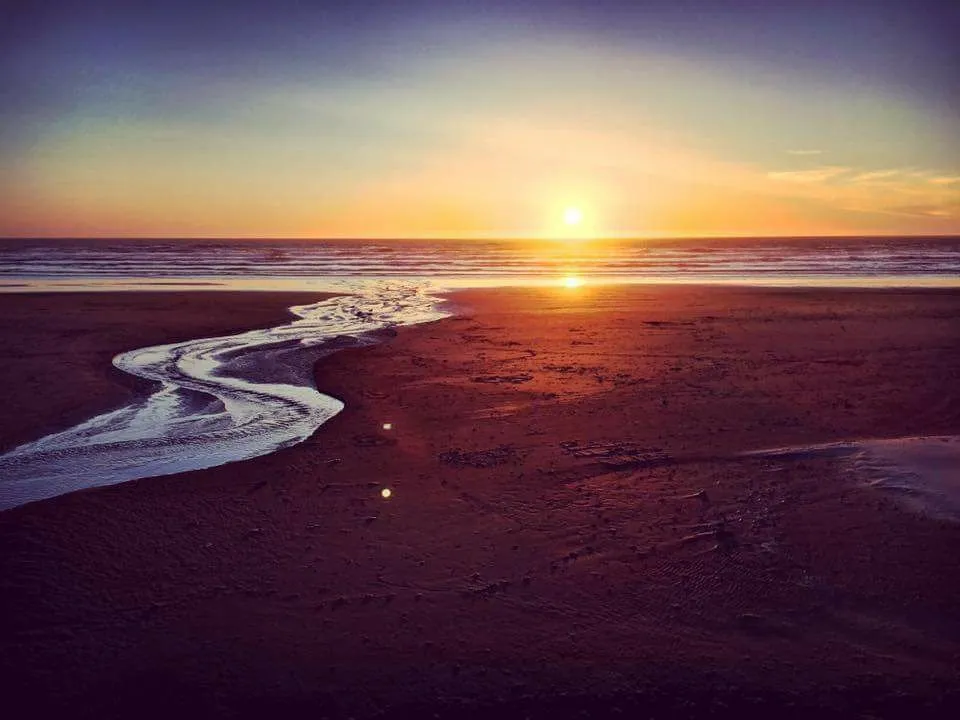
column 218, row 400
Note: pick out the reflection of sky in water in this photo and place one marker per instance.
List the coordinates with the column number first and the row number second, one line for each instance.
column 923, row 472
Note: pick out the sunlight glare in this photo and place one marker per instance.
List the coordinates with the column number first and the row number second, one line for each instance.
column 572, row 281
column 573, row 216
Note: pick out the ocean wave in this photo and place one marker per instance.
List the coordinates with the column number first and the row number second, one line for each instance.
column 869, row 257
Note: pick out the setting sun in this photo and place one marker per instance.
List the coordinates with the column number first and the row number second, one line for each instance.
column 572, row 281
column 572, row 216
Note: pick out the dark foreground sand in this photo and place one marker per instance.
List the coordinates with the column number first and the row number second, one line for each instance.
column 567, row 536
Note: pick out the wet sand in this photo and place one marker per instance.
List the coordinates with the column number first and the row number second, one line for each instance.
column 568, row 533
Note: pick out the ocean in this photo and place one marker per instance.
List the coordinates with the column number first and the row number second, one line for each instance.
column 318, row 264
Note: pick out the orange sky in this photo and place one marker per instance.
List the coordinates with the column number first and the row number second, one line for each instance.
column 495, row 140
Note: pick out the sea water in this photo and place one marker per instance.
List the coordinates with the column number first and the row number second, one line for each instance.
column 313, row 264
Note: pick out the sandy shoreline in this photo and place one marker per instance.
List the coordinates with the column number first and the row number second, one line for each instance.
column 544, row 551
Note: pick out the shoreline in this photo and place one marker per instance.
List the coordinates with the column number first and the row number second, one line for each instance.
column 452, row 285
column 530, row 547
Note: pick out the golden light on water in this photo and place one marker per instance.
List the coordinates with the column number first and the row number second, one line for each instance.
column 386, row 493
column 572, row 281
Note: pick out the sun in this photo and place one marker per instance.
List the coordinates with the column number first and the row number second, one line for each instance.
column 572, row 216
column 570, row 220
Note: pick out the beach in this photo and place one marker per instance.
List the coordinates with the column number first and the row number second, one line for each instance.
column 572, row 528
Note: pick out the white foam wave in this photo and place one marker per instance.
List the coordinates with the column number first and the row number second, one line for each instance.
column 220, row 399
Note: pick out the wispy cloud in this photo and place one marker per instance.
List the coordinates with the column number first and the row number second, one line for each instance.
column 917, row 194
column 804, row 152
column 816, row 175
column 931, row 211
column 874, row 175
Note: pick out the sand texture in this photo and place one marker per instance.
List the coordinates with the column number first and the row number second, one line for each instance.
column 572, row 531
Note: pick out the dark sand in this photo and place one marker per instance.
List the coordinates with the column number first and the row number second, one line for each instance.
column 567, row 535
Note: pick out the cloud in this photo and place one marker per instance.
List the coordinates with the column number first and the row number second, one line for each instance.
column 804, row 152
column 874, row 175
column 930, row 211
column 914, row 195
column 816, row 175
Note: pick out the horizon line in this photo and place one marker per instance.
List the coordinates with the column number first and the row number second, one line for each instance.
column 490, row 238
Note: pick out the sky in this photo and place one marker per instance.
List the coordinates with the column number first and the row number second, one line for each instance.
column 479, row 119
